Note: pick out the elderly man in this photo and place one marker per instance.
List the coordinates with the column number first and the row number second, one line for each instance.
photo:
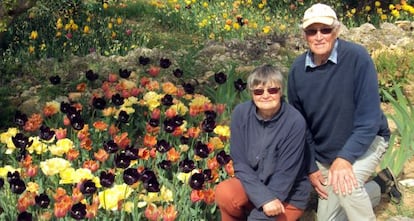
column 335, row 87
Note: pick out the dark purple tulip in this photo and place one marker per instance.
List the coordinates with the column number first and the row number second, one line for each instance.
column 42, row 200
column 144, row 60
column 210, row 114
column 54, row 79
column 24, row 216
column 122, row 160
column 163, row 146
column 147, row 175
column 240, row 21
column 165, row 164
column 184, row 140
column 223, row 158
column 220, row 77
column 110, row 146
column 88, row 187
column 123, row 117
column 131, row 153
column 167, row 100
column 188, row 88
column 13, row 176
column 154, row 122
column 78, row 211
column 77, row 123
column 64, row 107
column 21, row 141
column 208, row 125
column 240, row 85
column 165, row 63
column 152, row 185
column 22, row 154
column 46, row 133
column 186, row 165
column 117, row 100
column 178, row 73
column 131, row 176
column 72, row 113
column 207, row 174
column 196, row 181
column 17, row 186
column 20, row 119
column 178, row 120
column 99, row 103
column 201, row 150
column 106, row 179
column 124, row 73
column 91, row 76
column 169, row 125
column 1, row 182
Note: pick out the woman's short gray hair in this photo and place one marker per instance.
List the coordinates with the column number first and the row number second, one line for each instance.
column 264, row 74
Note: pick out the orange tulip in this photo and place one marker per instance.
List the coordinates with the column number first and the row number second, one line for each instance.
column 101, row 155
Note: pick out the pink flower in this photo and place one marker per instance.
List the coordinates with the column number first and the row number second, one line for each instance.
column 69, row 35
column 153, row 71
column 112, row 77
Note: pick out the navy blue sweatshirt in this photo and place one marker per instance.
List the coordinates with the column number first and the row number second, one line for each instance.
column 268, row 156
column 340, row 103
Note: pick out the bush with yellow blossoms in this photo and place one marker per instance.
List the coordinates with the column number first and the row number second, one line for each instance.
column 125, row 146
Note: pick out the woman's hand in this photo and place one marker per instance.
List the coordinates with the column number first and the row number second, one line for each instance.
column 273, row 208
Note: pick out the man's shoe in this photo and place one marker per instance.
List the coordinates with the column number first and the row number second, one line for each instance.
column 389, row 185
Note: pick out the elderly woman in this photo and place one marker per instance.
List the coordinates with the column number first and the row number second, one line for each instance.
column 267, row 149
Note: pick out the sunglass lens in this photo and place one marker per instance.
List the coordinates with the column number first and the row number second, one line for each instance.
column 326, row 30
column 273, row 90
column 311, row 32
column 258, row 91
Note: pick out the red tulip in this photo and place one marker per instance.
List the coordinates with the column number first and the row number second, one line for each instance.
column 153, row 71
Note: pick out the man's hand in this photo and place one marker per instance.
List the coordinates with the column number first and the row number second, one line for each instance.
column 341, row 177
column 273, row 208
column 319, row 183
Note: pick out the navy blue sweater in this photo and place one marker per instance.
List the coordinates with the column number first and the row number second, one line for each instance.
column 340, row 103
column 268, row 156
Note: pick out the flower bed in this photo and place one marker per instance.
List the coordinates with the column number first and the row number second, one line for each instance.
column 126, row 147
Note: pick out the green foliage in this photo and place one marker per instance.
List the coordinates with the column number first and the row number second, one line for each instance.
column 62, row 28
column 6, row 108
column 226, row 92
column 395, row 69
column 401, row 147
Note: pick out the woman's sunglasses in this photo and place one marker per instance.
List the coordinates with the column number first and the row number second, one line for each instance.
column 272, row 90
column 311, row 32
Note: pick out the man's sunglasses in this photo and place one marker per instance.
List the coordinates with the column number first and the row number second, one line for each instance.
column 311, row 32
column 272, row 90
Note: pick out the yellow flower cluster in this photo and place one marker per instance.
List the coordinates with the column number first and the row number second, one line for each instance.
column 110, row 197
column 6, row 138
column 152, row 100
column 54, row 166
column 165, row 195
column 222, row 130
column 71, row 26
column 61, row 147
column 72, row 176
column 38, row 146
column 33, row 35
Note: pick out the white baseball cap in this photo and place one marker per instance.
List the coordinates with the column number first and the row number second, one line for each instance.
column 319, row 13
